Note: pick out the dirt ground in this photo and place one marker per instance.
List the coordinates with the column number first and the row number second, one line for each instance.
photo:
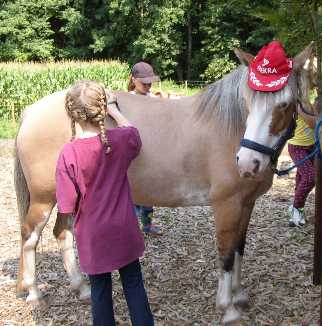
column 179, row 267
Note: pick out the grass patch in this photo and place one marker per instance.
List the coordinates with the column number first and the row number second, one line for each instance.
column 171, row 87
column 8, row 129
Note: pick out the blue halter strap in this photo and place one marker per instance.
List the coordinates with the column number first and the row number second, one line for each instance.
column 272, row 152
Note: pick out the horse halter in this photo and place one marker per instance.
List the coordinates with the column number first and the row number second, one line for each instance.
column 275, row 151
column 272, row 152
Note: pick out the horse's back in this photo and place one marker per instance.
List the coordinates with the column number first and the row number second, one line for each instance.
column 43, row 131
column 46, row 112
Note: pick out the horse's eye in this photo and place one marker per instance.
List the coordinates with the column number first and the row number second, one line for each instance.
column 283, row 105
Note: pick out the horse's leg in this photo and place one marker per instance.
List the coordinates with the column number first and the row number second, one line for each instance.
column 64, row 235
column 20, row 290
column 36, row 219
column 227, row 218
column 240, row 297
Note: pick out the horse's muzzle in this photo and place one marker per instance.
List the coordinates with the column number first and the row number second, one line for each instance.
column 251, row 164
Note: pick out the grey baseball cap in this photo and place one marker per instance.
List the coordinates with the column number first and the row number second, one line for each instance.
column 144, row 72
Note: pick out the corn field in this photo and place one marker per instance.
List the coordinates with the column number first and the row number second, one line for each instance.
column 22, row 84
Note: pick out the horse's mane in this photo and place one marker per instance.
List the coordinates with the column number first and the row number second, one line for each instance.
column 222, row 100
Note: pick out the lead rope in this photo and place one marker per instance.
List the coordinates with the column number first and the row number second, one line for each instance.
column 316, row 151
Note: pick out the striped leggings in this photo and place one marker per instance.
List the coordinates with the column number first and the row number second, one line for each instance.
column 304, row 181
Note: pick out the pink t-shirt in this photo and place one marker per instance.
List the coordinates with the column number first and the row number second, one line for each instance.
column 95, row 188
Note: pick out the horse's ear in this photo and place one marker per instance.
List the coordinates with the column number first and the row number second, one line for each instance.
column 300, row 60
column 244, row 57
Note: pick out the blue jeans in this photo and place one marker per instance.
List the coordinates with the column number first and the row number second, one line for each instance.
column 145, row 213
column 135, row 295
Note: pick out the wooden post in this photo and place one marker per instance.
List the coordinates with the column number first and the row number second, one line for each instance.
column 13, row 114
column 186, row 87
column 318, row 224
column 317, row 265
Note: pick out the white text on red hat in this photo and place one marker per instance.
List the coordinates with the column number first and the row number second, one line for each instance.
column 266, row 70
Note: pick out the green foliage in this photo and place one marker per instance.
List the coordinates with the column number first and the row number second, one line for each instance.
column 217, row 68
column 8, row 129
column 292, row 25
column 174, row 88
column 183, row 39
column 25, row 29
column 161, row 43
column 226, row 25
column 24, row 84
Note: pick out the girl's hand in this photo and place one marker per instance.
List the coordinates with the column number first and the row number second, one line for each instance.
column 112, row 110
column 309, row 118
column 315, row 106
column 120, row 120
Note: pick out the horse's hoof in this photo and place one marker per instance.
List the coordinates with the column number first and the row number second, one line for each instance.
column 231, row 315
column 20, row 290
column 39, row 304
column 222, row 304
column 20, row 294
column 241, row 300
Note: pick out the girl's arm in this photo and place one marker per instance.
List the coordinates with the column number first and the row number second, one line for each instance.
column 308, row 118
column 119, row 118
column 66, row 187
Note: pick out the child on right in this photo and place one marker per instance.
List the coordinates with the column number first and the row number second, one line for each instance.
column 301, row 145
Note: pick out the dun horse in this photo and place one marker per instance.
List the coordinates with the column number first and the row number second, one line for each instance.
column 188, row 158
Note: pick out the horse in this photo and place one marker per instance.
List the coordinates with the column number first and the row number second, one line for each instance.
column 191, row 156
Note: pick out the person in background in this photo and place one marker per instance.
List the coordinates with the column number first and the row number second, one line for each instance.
column 92, row 185
column 140, row 82
column 301, row 145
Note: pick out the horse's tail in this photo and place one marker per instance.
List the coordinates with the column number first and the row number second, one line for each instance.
column 22, row 192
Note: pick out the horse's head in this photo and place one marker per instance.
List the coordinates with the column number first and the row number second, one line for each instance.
column 271, row 106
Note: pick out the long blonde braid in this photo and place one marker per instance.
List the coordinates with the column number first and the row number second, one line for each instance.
column 86, row 101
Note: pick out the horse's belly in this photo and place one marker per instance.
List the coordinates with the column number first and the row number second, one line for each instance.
column 192, row 196
column 163, row 195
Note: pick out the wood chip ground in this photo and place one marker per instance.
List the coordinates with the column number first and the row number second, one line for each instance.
column 179, row 268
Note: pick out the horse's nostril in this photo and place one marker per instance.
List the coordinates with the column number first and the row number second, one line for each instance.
column 237, row 158
column 257, row 164
column 247, row 175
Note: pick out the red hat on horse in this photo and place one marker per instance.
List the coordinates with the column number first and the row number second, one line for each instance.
column 270, row 69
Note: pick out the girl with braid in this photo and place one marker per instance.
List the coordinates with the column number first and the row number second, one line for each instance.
column 92, row 185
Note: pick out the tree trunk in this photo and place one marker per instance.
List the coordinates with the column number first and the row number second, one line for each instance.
column 317, row 268
column 189, row 48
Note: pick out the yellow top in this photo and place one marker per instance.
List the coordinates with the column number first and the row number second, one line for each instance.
column 303, row 135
